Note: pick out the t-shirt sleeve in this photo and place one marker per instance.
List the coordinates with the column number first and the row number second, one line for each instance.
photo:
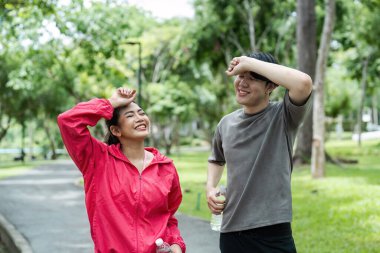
column 295, row 114
column 217, row 153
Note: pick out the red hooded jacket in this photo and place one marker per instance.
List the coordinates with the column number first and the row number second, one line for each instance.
column 127, row 210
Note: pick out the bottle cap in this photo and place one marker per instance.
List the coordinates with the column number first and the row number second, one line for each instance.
column 159, row 242
column 222, row 190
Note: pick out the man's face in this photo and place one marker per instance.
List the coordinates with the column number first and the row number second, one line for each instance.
column 249, row 90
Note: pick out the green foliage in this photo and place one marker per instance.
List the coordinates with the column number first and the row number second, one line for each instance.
column 360, row 31
column 102, row 28
column 166, row 52
column 54, row 58
column 99, row 53
column 226, row 32
column 54, row 55
column 172, row 100
column 341, row 92
column 172, row 106
column 224, row 29
column 19, row 19
column 215, row 98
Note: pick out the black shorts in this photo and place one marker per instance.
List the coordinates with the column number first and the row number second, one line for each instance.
column 270, row 239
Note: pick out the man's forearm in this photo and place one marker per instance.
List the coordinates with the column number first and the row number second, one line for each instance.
column 214, row 174
column 298, row 83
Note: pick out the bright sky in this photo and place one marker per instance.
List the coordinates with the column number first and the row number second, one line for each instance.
column 159, row 9
column 166, row 8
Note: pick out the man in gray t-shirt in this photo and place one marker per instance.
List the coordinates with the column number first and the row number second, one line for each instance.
column 255, row 144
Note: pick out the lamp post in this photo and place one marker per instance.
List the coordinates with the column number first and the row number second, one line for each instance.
column 139, row 71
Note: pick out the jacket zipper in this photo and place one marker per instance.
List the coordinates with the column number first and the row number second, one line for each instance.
column 138, row 205
column 137, row 213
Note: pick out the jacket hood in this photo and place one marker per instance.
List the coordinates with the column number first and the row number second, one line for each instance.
column 115, row 150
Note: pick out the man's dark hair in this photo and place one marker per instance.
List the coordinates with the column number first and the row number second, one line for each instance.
column 262, row 57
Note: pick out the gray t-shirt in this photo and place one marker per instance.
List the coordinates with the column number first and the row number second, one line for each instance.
column 255, row 150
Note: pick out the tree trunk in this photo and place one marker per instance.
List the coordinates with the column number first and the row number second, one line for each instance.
column 363, row 91
column 251, row 25
column 176, row 135
column 51, row 141
column 155, row 133
column 318, row 145
column 4, row 129
column 375, row 118
column 306, row 55
column 22, row 155
column 168, row 139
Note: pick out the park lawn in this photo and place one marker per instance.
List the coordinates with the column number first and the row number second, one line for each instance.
column 192, row 170
column 8, row 169
column 13, row 169
column 340, row 213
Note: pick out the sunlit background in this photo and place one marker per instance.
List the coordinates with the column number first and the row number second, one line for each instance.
column 56, row 53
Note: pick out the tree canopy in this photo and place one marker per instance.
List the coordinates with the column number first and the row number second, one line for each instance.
column 53, row 55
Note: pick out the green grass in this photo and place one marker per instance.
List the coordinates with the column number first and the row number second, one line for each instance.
column 2, row 248
column 8, row 169
column 340, row 213
column 192, row 170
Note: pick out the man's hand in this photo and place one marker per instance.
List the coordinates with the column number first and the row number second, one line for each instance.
column 238, row 65
column 215, row 204
column 122, row 97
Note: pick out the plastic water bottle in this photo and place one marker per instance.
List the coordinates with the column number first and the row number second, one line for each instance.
column 216, row 219
column 162, row 247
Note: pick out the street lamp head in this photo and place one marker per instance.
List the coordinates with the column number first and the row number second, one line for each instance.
column 133, row 43
column 139, row 73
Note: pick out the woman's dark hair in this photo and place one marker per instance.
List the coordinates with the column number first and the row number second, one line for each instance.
column 262, row 57
column 114, row 121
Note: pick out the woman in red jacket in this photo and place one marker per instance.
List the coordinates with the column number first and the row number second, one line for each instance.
column 132, row 191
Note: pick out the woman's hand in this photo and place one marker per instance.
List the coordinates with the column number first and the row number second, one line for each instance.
column 122, row 97
column 176, row 248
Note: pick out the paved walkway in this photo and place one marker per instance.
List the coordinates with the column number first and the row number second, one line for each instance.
column 367, row 136
column 47, row 207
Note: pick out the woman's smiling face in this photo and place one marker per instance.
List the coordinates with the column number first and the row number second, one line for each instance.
column 133, row 123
